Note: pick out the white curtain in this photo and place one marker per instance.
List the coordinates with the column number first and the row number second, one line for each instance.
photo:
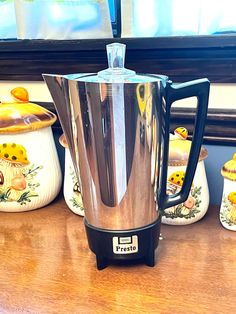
column 55, row 19
column 79, row 19
column 153, row 18
column 7, row 19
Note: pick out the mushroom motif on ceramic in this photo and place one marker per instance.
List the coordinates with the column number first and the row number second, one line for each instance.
column 228, row 171
column 232, row 212
column 77, row 191
column 180, row 133
column 195, row 207
column 13, row 158
column 71, row 190
column 190, row 202
column 228, row 205
column 76, row 188
column 1, row 178
column 20, row 94
column 175, row 182
column 25, row 131
column 174, row 185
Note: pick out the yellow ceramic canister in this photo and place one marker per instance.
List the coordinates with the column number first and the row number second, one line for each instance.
column 30, row 174
column 228, row 203
column 195, row 207
column 71, row 188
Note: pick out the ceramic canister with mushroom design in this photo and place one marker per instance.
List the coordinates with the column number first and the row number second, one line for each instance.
column 228, row 203
column 71, row 187
column 30, row 174
column 195, row 207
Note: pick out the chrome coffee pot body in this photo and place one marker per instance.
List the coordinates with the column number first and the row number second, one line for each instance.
column 117, row 127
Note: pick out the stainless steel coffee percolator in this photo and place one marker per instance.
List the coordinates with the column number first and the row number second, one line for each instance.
column 116, row 124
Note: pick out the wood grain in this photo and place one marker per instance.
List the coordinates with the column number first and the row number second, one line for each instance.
column 46, row 267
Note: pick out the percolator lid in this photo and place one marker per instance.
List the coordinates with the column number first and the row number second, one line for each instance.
column 116, row 72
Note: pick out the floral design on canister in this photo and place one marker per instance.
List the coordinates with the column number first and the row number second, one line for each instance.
column 228, row 204
column 190, row 207
column 196, row 205
column 17, row 175
column 72, row 191
column 26, row 143
column 76, row 198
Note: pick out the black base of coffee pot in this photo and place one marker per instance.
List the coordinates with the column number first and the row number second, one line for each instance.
column 112, row 246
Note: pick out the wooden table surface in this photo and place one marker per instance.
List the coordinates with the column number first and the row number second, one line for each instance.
column 46, row 267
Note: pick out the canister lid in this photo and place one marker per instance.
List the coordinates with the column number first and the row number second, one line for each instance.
column 18, row 115
column 179, row 148
column 229, row 169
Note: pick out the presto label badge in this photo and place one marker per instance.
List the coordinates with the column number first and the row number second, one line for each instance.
column 125, row 245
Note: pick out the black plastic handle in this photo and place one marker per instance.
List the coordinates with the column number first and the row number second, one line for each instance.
column 199, row 88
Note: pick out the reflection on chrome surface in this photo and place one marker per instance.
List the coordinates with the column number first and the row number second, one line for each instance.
column 113, row 132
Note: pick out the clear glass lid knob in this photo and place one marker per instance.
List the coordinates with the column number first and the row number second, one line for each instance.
column 116, row 60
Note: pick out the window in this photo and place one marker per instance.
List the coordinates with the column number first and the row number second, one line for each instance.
column 154, row 18
column 180, row 57
column 81, row 19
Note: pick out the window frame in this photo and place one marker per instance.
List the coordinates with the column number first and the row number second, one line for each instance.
column 181, row 58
